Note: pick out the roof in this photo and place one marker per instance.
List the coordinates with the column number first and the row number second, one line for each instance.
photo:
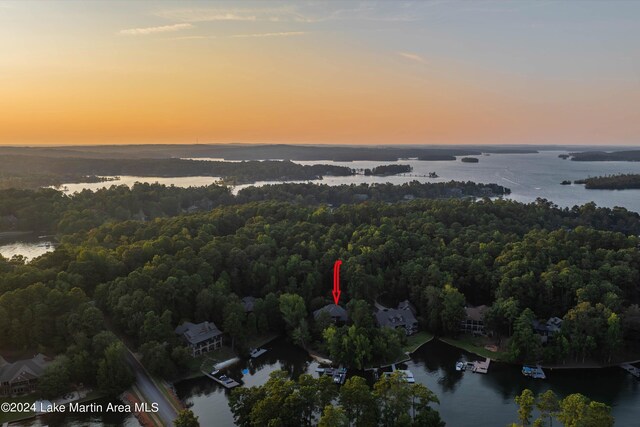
column 197, row 333
column 406, row 305
column 393, row 317
column 24, row 369
column 248, row 303
column 476, row 313
column 335, row 311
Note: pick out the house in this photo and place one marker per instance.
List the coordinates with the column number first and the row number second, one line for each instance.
column 547, row 330
column 248, row 303
column 201, row 337
column 406, row 305
column 21, row 377
column 336, row 312
column 402, row 318
column 474, row 320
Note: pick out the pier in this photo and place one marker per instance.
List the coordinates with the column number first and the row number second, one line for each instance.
column 223, row 380
column 631, row 369
column 481, row 367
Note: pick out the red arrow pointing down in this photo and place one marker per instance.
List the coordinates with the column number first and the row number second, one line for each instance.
column 336, row 281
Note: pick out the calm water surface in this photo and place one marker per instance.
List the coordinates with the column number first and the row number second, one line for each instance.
column 29, row 246
column 466, row 399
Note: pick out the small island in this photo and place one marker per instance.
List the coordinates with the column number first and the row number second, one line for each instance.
column 385, row 170
column 565, row 182
column 470, row 160
column 611, row 182
column 564, row 156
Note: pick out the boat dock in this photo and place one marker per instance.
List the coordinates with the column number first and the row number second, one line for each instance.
column 481, row 367
column 339, row 375
column 223, row 380
column 533, row 372
column 631, row 369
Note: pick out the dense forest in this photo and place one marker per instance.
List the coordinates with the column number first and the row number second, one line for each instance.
column 604, row 156
column 526, row 261
column 51, row 211
column 34, row 170
column 611, row 182
column 384, row 170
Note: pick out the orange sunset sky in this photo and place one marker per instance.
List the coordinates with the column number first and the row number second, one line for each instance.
column 511, row 72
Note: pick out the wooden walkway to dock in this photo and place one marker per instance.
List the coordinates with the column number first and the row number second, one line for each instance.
column 631, row 369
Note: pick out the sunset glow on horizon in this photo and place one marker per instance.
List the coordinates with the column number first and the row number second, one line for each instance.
column 438, row 72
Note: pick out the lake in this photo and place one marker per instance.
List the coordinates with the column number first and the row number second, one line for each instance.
column 28, row 245
column 529, row 176
column 464, row 396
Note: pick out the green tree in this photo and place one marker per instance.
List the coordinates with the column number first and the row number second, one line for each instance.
column 525, row 344
column 333, row 416
column 293, row 310
column 114, row 375
column 452, row 309
column 56, row 378
column 526, row 402
column 548, row 405
column 358, row 402
column 186, row 418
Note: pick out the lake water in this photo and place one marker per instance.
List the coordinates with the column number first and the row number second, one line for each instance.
column 529, row 176
column 465, row 397
column 30, row 246
column 180, row 181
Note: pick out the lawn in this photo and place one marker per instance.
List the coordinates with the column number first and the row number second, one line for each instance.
column 475, row 345
column 414, row 342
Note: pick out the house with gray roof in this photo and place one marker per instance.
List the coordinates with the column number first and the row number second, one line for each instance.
column 336, row 312
column 473, row 322
column 21, row 377
column 397, row 318
column 201, row 337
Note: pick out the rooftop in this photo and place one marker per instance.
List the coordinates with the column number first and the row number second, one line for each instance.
column 197, row 333
column 335, row 311
column 24, row 369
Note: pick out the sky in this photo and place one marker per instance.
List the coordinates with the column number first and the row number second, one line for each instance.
column 339, row 72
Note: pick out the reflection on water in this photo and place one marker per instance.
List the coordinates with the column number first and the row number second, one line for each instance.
column 181, row 181
column 28, row 246
column 466, row 399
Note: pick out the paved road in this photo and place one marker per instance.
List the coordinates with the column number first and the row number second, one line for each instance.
column 166, row 412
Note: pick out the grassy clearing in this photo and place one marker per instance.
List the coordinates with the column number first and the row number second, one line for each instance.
column 475, row 345
column 414, row 342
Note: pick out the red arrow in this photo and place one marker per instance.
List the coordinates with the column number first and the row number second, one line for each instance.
column 336, row 281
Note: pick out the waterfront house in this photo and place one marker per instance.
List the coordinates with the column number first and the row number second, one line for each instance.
column 21, row 377
column 401, row 318
column 473, row 322
column 201, row 338
column 546, row 330
column 336, row 312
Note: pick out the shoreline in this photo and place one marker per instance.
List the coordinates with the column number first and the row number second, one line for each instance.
column 568, row 366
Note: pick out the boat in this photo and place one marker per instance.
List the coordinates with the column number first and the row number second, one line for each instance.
column 257, row 352
column 460, row 366
column 433, row 175
column 533, row 372
column 340, row 375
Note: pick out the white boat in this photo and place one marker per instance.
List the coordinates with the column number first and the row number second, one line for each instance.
column 257, row 352
column 460, row 366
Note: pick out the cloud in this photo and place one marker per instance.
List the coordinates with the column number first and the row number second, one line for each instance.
column 299, row 13
column 413, row 57
column 281, row 34
column 153, row 30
